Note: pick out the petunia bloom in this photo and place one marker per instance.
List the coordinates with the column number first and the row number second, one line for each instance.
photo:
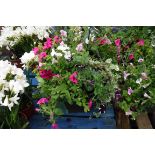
column 35, row 50
column 73, row 78
column 140, row 42
column 117, row 42
column 42, row 101
column 47, row 44
column 63, row 33
column 54, row 126
column 46, row 74
column 90, row 104
column 79, row 47
column 131, row 56
column 125, row 74
column 42, row 55
column 140, row 60
column 57, row 39
column 130, row 91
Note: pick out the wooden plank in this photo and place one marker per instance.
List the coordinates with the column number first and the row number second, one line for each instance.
column 143, row 121
column 122, row 121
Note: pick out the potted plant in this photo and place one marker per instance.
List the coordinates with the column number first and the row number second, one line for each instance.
column 67, row 74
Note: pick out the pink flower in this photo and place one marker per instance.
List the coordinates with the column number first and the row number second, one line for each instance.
column 73, row 78
column 140, row 60
column 125, row 74
column 42, row 55
column 46, row 74
column 140, row 42
column 130, row 91
column 63, row 33
column 79, row 47
column 37, row 109
column 35, row 50
column 42, row 101
column 90, row 104
column 131, row 56
column 56, row 75
column 54, row 126
column 102, row 42
column 47, row 44
column 117, row 42
column 57, row 39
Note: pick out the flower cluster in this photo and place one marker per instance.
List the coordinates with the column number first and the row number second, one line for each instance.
column 11, row 35
column 67, row 74
column 12, row 84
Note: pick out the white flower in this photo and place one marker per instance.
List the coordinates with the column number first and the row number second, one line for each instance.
column 128, row 113
column 86, row 41
column 14, row 99
column 27, row 57
column 108, row 61
column 53, row 53
column 13, row 85
column 115, row 67
column 140, row 60
column 138, row 81
column 146, row 95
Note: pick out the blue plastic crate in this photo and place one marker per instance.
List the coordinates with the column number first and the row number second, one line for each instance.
column 76, row 121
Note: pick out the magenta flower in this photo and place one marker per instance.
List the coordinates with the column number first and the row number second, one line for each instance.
column 47, row 44
column 35, row 50
column 54, row 126
column 130, row 91
column 57, row 39
column 140, row 42
column 42, row 55
column 131, row 56
column 79, row 47
column 42, row 101
column 46, row 74
column 73, row 77
column 117, row 42
column 90, row 104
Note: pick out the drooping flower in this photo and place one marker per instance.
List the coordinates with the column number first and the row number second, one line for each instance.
column 35, row 50
column 42, row 101
column 118, row 42
column 130, row 91
column 63, row 33
column 146, row 95
column 140, row 42
column 54, row 126
column 131, row 56
column 140, row 60
column 79, row 47
column 90, row 103
column 73, row 78
column 46, row 74
column 125, row 74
